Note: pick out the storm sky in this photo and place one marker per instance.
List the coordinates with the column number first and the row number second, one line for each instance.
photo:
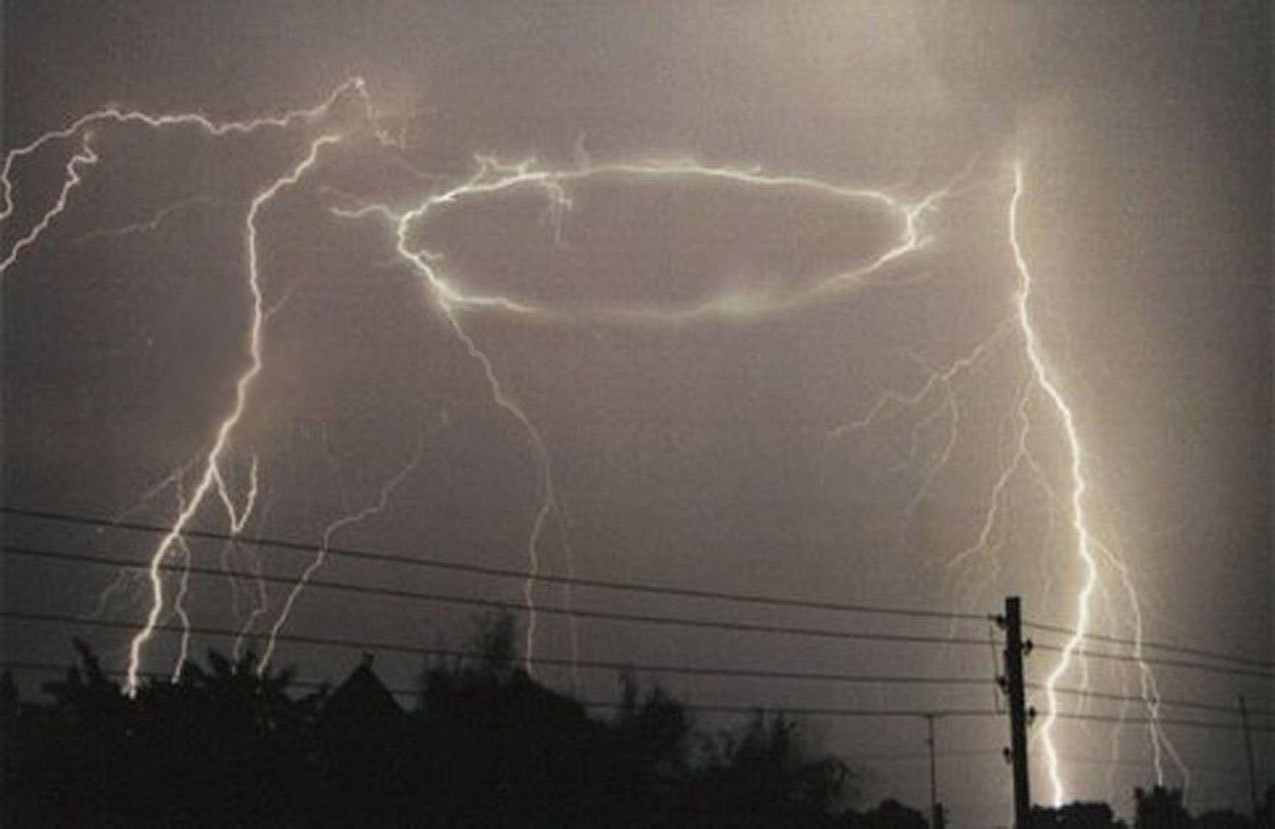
column 705, row 406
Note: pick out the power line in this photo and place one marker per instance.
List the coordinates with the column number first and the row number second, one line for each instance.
column 1107, row 718
column 760, row 599
column 906, row 756
column 693, row 706
column 1162, row 646
column 1164, row 663
column 1147, row 765
column 515, row 607
column 715, row 708
column 687, row 670
column 364, row 645
column 1172, row 703
column 484, row 570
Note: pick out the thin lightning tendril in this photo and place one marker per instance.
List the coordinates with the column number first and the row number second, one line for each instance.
column 182, row 549
column 375, row 508
column 149, row 225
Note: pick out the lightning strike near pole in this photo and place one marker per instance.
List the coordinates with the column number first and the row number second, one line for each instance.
column 1084, row 546
column 1087, row 548
column 936, row 397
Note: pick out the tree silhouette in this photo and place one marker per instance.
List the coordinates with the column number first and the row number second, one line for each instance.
column 760, row 777
column 890, row 814
column 485, row 745
column 1076, row 816
column 1161, row 808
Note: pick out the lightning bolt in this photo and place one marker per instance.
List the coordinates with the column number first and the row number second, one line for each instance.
column 182, row 549
column 85, row 157
column 118, row 116
column 208, row 480
column 375, row 508
column 1150, row 690
column 1086, row 548
column 239, row 518
column 1084, row 542
column 203, row 122
column 938, row 397
column 451, row 300
column 446, row 298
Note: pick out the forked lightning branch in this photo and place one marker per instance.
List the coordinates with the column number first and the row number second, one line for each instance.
column 1039, row 404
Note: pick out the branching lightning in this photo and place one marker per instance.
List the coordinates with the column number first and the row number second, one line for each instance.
column 212, row 464
column 211, row 476
column 1087, row 548
column 494, row 177
column 1037, row 391
column 85, row 157
column 1016, row 458
column 1084, row 545
column 375, row 508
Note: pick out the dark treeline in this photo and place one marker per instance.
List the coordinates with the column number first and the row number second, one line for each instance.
column 485, row 746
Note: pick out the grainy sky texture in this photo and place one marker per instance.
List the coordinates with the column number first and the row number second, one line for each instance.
column 716, row 408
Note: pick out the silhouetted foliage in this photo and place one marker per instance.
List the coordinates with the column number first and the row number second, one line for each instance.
column 1223, row 819
column 890, row 814
column 760, row 777
column 1076, row 816
column 1161, row 808
column 232, row 745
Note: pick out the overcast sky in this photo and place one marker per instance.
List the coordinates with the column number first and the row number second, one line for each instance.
column 705, row 450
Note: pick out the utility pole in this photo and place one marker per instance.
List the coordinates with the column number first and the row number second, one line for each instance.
column 936, row 808
column 1248, row 750
column 1017, row 710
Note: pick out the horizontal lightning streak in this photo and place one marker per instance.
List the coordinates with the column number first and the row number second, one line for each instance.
column 117, row 115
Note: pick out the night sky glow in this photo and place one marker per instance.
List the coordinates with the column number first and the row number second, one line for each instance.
column 911, row 306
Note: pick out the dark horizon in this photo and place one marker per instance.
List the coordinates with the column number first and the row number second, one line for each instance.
column 465, row 747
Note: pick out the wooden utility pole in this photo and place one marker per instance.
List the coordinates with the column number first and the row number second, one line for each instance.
column 1017, row 710
column 1248, row 751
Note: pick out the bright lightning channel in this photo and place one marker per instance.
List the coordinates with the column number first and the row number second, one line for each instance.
column 1084, row 548
column 85, row 157
column 452, row 300
column 117, row 115
column 211, row 473
column 494, row 177
column 1017, row 457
